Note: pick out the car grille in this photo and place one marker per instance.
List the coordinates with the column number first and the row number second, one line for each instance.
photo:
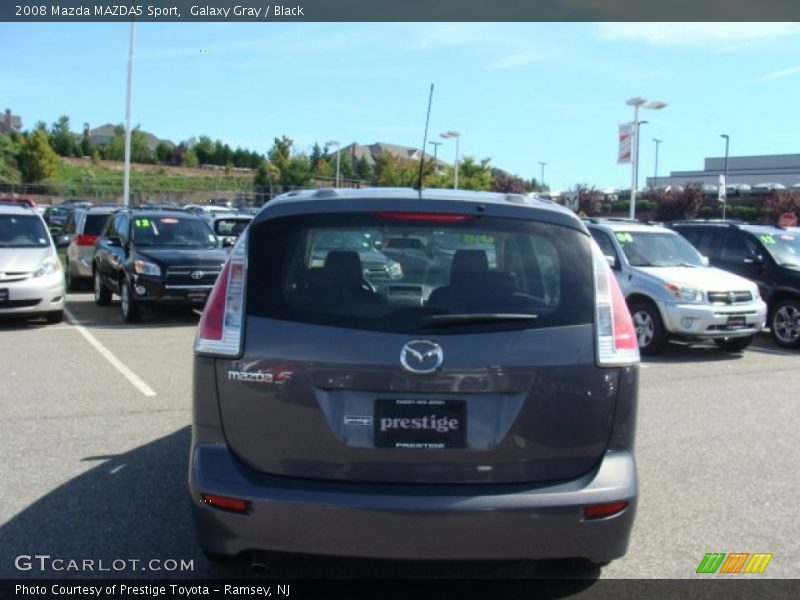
column 729, row 297
column 376, row 272
column 14, row 276
column 183, row 275
column 19, row 303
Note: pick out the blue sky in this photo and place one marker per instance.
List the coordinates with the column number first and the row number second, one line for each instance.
column 519, row 92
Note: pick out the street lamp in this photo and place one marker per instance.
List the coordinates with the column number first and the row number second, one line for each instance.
column 541, row 179
column 725, row 180
column 636, row 103
column 453, row 134
column 435, row 151
column 335, row 143
column 655, row 177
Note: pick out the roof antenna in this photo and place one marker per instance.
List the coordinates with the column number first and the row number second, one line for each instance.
column 424, row 143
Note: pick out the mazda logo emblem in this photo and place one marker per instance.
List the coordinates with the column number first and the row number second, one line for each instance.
column 421, row 356
column 197, row 274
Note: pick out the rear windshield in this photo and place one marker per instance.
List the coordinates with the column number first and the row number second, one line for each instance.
column 228, row 227
column 415, row 276
column 170, row 231
column 22, row 231
column 94, row 224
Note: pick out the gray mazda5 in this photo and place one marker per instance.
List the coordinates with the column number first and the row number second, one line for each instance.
column 480, row 405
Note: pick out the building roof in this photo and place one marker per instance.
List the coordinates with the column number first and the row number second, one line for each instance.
column 373, row 152
column 105, row 133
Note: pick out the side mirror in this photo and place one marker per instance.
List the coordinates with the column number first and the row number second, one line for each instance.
column 228, row 242
column 114, row 241
column 378, row 244
column 612, row 262
column 704, row 260
column 756, row 259
column 62, row 241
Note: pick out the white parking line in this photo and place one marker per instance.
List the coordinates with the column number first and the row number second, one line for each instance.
column 109, row 356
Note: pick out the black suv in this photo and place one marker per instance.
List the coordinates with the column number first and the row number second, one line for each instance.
column 155, row 257
column 765, row 254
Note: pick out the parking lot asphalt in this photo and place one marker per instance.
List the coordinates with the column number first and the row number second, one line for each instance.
column 94, row 423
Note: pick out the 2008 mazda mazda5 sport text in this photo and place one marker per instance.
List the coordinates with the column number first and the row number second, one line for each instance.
column 415, row 375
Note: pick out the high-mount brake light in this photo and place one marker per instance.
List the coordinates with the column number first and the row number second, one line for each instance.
column 435, row 217
column 617, row 344
column 220, row 328
column 85, row 240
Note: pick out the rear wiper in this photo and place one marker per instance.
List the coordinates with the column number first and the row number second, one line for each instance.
column 471, row 318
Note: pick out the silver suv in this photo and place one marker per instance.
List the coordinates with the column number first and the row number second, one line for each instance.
column 83, row 228
column 31, row 278
column 478, row 404
column 673, row 293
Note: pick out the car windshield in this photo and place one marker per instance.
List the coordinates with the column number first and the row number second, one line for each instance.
column 94, row 223
column 22, row 231
column 172, row 231
column 414, row 276
column 657, row 249
column 784, row 247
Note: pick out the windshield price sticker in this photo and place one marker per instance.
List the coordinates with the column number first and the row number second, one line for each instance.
column 140, row 223
column 624, row 237
column 469, row 238
column 767, row 239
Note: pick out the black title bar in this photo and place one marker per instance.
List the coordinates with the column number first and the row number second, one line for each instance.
column 265, row 11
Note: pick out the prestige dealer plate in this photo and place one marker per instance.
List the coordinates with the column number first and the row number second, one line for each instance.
column 420, row 424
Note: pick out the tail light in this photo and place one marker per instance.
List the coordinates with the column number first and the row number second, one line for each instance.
column 225, row 503
column 85, row 240
column 616, row 336
column 220, row 329
column 599, row 511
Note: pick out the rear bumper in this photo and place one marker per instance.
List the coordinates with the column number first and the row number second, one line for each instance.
column 451, row 522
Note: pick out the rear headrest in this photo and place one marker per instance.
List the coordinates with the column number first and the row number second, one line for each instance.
column 344, row 267
column 468, row 264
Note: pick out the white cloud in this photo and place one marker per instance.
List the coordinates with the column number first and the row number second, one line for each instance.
column 722, row 36
column 778, row 74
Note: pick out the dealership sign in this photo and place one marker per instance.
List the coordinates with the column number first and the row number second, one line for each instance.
column 625, row 143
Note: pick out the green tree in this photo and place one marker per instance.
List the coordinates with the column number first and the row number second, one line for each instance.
column 62, row 139
column 37, row 160
column 472, row 175
column 267, row 176
column 295, row 170
column 165, row 154
column 9, row 151
column 364, row 170
column 189, row 158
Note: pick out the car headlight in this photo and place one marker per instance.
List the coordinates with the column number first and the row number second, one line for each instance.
column 684, row 293
column 49, row 265
column 395, row 270
column 144, row 267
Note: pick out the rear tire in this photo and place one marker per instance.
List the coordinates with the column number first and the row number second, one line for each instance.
column 73, row 284
column 102, row 295
column 55, row 316
column 734, row 344
column 650, row 332
column 131, row 310
column 785, row 323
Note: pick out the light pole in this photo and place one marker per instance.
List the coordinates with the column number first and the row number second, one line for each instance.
column 636, row 103
column 453, row 134
column 335, row 143
column 655, row 177
column 541, row 179
column 725, row 180
column 126, row 178
column 435, row 152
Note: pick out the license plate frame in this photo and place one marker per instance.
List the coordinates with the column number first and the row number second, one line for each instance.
column 737, row 322
column 420, row 424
